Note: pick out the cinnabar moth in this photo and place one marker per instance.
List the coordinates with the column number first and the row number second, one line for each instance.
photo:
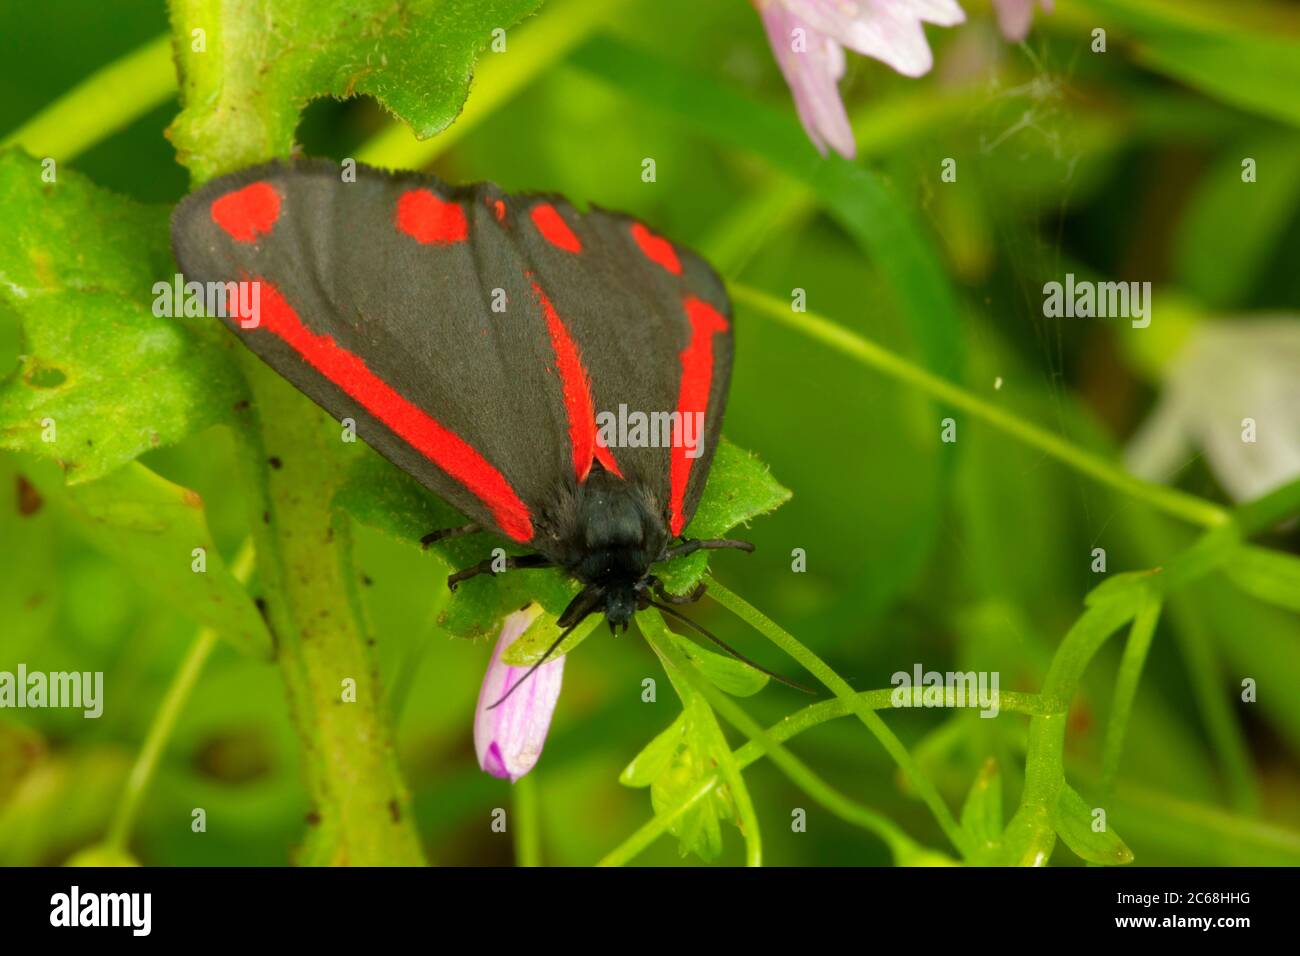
column 376, row 298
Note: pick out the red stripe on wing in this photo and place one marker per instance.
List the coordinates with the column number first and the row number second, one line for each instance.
column 692, row 397
column 576, row 388
column 443, row 447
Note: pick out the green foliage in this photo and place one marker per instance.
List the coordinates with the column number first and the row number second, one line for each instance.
column 1206, row 47
column 990, row 576
column 260, row 64
column 154, row 528
column 1084, row 832
column 102, row 380
column 740, row 489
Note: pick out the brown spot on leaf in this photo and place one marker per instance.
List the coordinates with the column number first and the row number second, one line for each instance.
column 29, row 499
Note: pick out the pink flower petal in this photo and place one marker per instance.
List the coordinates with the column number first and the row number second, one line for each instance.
column 508, row 739
column 888, row 30
column 812, row 65
column 1015, row 16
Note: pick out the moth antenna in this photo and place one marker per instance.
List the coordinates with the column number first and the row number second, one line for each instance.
column 532, row 670
column 673, row 612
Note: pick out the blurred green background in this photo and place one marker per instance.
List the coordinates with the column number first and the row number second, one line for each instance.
column 975, row 555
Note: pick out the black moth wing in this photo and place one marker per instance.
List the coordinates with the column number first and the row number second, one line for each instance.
column 417, row 317
column 627, row 313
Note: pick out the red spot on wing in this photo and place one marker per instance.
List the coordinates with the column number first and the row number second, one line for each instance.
column 247, row 213
column 554, row 229
column 576, row 389
column 499, row 209
column 413, row 425
column 656, row 248
column 427, row 219
column 692, row 397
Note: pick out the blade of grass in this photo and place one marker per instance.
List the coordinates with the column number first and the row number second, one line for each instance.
column 1169, row 500
column 1140, row 636
column 108, row 100
column 164, row 721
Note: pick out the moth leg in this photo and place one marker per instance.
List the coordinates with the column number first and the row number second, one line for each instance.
column 712, row 544
column 445, row 533
column 689, row 598
column 485, row 567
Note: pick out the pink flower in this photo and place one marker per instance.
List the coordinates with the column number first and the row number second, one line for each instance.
column 509, row 737
column 1014, row 17
column 808, row 37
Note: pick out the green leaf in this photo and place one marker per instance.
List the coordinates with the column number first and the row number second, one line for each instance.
column 529, row 647
column 1271, row 576
column 656, row 757
column 740, row 488
column 261, row 63
column 698, row 830
column 152, row 527
column 378, row 494
column 981, row 814
column 1072, row 818
column 726, row 673
column 101, row 379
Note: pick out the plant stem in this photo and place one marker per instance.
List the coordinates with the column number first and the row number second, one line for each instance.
column 527, row 824
column 1169, row 500
column 108, row 100
column 798, row 772
column 360, row 807
column 164, row 721
column 840, row 687
column 694, row 700
column 1140, row 636
column 790, row 726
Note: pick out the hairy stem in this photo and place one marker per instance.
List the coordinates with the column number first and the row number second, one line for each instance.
column 360, row 807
